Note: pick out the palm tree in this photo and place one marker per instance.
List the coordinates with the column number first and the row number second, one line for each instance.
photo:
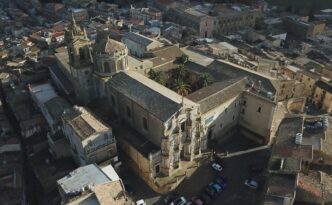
column 181, row 72
column 159, row 77
column 205, row 79
column 181, row 87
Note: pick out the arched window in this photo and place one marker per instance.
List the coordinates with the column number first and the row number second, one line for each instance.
column 107, row 67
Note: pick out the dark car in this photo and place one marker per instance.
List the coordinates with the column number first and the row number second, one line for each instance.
column 205, row 198
column 170, row 198
column 221, row 181
column 197, row 201
column 210, row 191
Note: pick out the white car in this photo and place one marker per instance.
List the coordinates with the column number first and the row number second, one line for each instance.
column 140, row 202
column 252, row 184
column 179, row 201
column 217, row 167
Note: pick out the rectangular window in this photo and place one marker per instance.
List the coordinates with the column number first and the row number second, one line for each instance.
column 242, row 111
column 128, row 111
column 145, row 123
column 244, row 103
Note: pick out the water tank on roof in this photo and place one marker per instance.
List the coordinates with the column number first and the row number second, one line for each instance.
column 269, row 95
column 298, row 138
column 325, row 122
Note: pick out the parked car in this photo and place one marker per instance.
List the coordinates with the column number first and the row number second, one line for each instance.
column 179, row 201
column 217, row 167
column 206, row 198
column 219, row 161
column 251, row 183
column 217, row 187
column 197, row 201
column 210, row 191
column 140, row 202
column 221, row 181
column 170, row 198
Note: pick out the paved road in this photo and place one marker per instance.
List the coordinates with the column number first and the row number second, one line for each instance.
column 236, row 171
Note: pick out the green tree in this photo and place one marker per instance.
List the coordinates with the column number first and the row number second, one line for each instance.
column 205, row 79
column 152, row 74
column 181, row 72
column 181, row 87
column 157, row 76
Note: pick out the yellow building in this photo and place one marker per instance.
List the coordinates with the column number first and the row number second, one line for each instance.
column 308, row 79
column 322, row 97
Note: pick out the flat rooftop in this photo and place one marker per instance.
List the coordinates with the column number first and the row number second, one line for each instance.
column 84, row 122
column 83, row 177
column 282, row 185
column 287, row 130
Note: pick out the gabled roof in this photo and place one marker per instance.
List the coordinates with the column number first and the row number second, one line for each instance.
column 153, row 97
column 217, row 93
column 138, row 38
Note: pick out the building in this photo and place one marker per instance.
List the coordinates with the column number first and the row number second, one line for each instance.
column 164, row 5
column 308, row 79
column 229, row 20
column 220, row 107
column 160, row 117
column 80, row 14
column 79, row 73
column 322, row 95
column 146, row 14
column 92, row 185
column 91, row 141
column 202, row 24
column 12, row 180
column 222, row 49
column 52, row 107
column 138, row 45
column 304, row 29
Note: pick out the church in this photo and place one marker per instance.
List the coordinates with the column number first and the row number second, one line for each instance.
column 160, row 129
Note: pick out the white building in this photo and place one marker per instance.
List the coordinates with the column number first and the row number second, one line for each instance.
column 92, row 185
column 91, row 141
column 138, row 45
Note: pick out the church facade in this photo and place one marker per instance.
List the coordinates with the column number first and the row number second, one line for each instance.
column 158, row 124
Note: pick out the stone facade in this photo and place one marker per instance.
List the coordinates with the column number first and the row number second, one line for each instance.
column 200, row 22
column 322, row 96
column 90, row 140
column 229, row 21
column 159, row 116
column 303, row 29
